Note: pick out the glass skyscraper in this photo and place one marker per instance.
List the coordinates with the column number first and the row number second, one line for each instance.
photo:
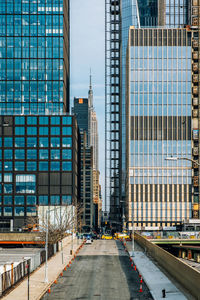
column 34, row 56
column 120, row 15
column 159, row 126
column 39, row 141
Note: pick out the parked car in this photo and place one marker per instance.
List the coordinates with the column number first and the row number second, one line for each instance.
column 88, row 241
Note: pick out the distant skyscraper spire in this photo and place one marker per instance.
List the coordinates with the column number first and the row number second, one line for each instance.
column 90, row 92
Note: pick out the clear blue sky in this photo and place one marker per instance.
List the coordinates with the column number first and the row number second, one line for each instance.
column 87, row 51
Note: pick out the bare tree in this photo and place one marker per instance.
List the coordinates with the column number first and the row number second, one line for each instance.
column 60, row 221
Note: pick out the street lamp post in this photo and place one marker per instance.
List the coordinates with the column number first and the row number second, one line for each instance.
column 46, row 242
column 133, row 242
column 182, row 158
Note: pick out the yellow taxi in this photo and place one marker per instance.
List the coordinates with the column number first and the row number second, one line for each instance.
column 122, row 235
column 106, row 236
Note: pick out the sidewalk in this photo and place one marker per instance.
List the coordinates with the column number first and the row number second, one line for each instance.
column 37, row 285
column 154, row 278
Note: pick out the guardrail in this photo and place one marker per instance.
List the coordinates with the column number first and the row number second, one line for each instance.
column 187, row 276
column 14, row 275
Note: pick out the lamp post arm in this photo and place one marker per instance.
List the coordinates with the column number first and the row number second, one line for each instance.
column 189, row 159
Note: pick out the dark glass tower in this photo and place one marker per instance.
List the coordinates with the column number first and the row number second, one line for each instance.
column 34, row 57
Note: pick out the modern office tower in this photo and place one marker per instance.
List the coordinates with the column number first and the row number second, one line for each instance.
column 34, row 57
column 120, row 14
column 34, row 88
column 159, row 192
column 86, row 182
column 39, row 165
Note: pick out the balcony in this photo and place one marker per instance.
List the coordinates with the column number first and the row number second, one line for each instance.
column 195, row 113
column 195, row 151
column 195, row 101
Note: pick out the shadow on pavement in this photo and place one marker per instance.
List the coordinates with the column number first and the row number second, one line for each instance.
column 132, row 276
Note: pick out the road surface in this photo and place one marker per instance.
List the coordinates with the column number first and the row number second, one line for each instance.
column 103, row 271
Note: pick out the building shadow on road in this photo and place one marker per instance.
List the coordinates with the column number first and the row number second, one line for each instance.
column 132, row 276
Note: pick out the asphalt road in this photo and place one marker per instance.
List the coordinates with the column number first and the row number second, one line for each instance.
column 100, row 271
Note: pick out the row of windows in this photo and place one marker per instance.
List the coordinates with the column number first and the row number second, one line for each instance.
column 7, row 211
column 54, row 154
column 32, row 166
column 38, row 42
column 43, row 130
column 156, row 52
column 30, row 108
column 33, row 142
column 32, row 200
column 53, row 120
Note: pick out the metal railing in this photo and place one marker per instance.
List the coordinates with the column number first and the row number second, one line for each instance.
column 14, row 275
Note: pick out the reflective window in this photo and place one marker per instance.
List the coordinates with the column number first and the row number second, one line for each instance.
column 31, row 142
column 19, row 211
column 43, row 154
column 67, row 131
column 67, row 166
column 25, row 184
column 20, row 142
column 31, row 130
column 19, row 120
column 8, row 166
column 55, row 130
column 55, row 142
column 55, row 166
column 32, row 120
column 19, row 165
column 55, row 200
column 43, row 142
column 8, row 200
column 31, row 200
column 67, row 120
column 1, row 142
column 66, row 199
column 67, row 142
column 8, row 142
column 7, row 211
column 55, row 120
column 8, row 154
column 31, row 166
column 43, row 166
column 43, row 200
column 19, row 131
column 19, row 200
column 66, row 154
column 43, row 130
column 0, row 154
column 55, row 154
column 31, row 211
column 7, row 177
column 43, row 120
column 31, row 154
column 8, row 188
column 19, row 154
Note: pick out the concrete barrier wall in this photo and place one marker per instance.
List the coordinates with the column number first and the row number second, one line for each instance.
column 184, row 274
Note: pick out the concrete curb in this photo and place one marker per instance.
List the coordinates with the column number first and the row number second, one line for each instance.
column 45, row 290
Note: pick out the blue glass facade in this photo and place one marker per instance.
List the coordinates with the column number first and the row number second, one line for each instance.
column 34, row 57
column 159, row 126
